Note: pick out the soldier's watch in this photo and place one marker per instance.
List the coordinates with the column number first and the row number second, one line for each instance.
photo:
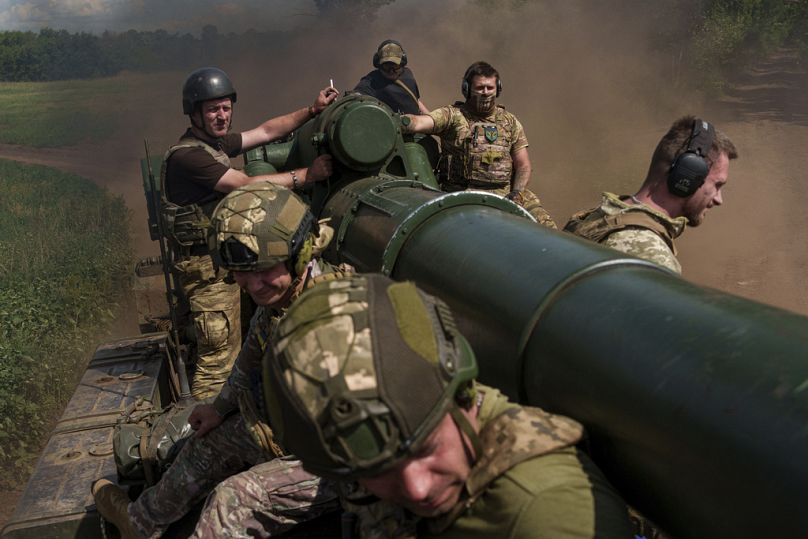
column 295, row 180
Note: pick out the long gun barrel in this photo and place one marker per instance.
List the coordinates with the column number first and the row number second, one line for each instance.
column 695, row 401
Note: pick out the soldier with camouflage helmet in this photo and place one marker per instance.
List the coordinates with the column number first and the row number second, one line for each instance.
column 689, row 168
column 370, row 384
column 267, row 238
column 195, row 176
column 484, row 146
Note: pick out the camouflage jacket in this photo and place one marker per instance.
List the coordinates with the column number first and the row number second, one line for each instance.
column 247, row 368
column 635, row 229
column 511, row 435
column 477, row 150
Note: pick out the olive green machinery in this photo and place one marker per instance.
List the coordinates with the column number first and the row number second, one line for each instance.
column 695, row 401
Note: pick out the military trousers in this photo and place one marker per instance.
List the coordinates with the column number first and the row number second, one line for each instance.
column 267, row 500
column 215, row 317
column 201, row 464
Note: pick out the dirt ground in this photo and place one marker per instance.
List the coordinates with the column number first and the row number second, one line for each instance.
column 755, row 245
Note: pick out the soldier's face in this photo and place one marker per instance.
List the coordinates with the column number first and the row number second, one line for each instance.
column 216, row 115
column 390, row 70
column 430, row 482
column 268, row 288
column 709, row 194
column 484, row 86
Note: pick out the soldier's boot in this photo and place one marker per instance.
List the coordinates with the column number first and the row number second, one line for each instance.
column 112, row 503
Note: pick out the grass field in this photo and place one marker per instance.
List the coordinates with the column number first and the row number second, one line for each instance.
column 65, row 264
column 65, row 113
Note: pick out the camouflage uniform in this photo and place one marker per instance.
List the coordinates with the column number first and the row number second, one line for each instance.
column 635, row 229
column 530, row 482
column 477, row 154
column 241, row 441
column 340, row 359
column 214, row 306
column 265, row 501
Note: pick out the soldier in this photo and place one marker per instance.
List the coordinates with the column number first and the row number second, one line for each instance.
column 268, row 239
column 196, row 175
column 392, row 82
column 370, row 384
column 689, row 168
column 484, row 146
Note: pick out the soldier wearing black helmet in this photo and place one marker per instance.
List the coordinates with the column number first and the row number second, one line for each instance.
column 196, row 175
column 270, row 242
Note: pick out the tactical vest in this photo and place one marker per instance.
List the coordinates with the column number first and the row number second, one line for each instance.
column 251, row 403
column 186, row 227
column 512, row 437
column 480, row 157
column 596, row 226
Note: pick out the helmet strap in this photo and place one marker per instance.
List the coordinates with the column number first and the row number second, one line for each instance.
column 465, row 427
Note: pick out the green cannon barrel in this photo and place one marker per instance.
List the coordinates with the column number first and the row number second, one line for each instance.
column 695, row 401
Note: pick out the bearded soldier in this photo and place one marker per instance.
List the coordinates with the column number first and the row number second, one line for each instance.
column 484, row 146
column 196, row 175
column 268, row 239
column 688, row 170
column 370, row 384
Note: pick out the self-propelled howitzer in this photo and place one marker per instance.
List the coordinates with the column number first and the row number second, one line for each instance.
column 695, row 401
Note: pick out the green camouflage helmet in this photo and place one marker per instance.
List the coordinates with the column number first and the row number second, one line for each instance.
column 362, row 370
column 257, row 226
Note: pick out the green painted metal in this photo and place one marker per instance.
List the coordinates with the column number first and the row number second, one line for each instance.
column 696, row 401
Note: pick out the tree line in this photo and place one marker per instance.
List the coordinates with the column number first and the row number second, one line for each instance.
column 50, row 54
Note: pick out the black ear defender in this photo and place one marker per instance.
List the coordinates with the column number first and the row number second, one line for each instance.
column 377, row 55
column 690, row 168
column 465, row 87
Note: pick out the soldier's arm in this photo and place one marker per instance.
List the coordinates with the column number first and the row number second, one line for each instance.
column 319, row 170
column 249, row 358
column 283, row 125
column 521, row 170
column 420, row 123
column 422, row 107
column 644, row 244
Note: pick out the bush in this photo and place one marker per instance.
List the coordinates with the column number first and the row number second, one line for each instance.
column 65, row 265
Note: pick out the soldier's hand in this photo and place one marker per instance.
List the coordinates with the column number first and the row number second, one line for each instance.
column 514, row 196
column 326, row 96
column 204, row 418
column 320, row 169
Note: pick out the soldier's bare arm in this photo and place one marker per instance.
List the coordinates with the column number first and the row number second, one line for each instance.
column 419, row 123
column 320, row 169
column 521, row 170
column 283, row 125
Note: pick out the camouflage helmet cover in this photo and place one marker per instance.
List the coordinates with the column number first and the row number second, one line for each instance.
column 361, row 372
column 203, row 84
column 258, row 226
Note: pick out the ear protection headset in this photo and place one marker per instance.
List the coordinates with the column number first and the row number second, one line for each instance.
column 690, row 168
column 377, row 55
column 465, row 87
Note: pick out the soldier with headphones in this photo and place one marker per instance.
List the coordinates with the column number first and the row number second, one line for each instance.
column 392, row 82
column 484, row 146
column 689, row 168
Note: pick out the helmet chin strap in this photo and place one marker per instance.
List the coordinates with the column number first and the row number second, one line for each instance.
column 466, row 428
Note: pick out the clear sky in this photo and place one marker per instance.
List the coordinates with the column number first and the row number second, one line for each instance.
column 171, row 15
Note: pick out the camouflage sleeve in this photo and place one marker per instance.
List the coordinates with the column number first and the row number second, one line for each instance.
column 442, row 118
column 519, row 138
column 644, row 244
column 248, row 360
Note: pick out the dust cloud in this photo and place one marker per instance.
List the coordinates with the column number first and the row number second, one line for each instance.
column 595, row 87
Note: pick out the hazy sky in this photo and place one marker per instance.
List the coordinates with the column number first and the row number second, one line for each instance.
column 172, row 15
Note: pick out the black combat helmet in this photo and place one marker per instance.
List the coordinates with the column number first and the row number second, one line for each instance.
column 204, row 84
